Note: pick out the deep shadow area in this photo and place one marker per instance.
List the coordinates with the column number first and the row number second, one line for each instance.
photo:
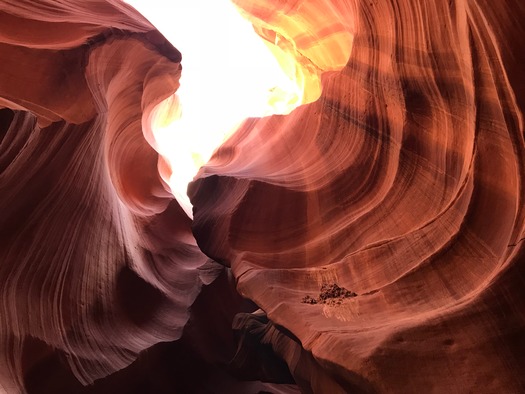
column 6, row 117
column 200, row 362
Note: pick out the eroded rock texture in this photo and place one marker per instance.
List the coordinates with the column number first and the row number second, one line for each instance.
column 402, row 184
column 97, row 261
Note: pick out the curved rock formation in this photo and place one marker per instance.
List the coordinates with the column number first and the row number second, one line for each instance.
column 98, row 261
column 372, row 239
column 403, row 184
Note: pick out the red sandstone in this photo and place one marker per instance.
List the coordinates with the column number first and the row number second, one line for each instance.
column 402, row 183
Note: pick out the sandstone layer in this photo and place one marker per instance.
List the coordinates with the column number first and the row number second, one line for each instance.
column 370, row 241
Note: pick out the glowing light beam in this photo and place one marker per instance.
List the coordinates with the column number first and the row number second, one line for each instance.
column 229, row 74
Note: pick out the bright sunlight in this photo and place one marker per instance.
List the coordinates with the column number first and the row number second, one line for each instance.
column 229, row 74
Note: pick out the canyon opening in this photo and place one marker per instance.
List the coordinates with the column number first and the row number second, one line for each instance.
column 229, row 73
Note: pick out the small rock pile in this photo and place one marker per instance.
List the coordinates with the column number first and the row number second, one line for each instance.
column 330, row 294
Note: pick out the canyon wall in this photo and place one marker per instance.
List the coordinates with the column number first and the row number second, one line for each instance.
column 370, row 241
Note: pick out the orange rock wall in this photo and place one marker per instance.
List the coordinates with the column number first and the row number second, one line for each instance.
column 403, row 183
column 98, row 261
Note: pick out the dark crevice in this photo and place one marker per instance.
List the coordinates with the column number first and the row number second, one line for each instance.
column 6, row 117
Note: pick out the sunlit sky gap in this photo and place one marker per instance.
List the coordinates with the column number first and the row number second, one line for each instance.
column 228, row 74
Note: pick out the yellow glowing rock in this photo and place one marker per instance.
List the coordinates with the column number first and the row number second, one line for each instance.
column 307, row 38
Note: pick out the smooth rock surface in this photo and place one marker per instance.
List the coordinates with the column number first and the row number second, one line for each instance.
column 98, row 260
column 402, row 183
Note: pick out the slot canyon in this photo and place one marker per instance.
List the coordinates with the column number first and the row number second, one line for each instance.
column 367, row 236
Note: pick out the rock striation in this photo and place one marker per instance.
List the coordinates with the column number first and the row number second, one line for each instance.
column 98, row 261
column 396, row 199
column 402, row 183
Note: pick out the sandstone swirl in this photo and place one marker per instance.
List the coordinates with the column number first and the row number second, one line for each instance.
column 98, row 261
column 402, row 183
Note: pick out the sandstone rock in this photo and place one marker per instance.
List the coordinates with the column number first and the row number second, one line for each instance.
column 402, row 182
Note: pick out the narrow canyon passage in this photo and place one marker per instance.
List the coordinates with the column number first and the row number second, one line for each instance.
column 362, row 234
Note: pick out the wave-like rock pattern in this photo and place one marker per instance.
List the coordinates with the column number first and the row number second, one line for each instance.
column 402, row 183
column 98, row 261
